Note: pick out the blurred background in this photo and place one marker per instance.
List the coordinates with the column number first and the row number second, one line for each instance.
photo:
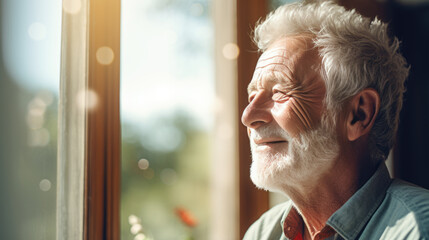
column 170, row 108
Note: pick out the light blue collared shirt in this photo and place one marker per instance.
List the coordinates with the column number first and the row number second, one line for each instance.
column 381, row 209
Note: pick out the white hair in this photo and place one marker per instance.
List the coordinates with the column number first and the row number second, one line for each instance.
column 356, row 53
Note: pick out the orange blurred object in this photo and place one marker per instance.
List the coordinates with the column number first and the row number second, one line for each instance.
column 186, row 217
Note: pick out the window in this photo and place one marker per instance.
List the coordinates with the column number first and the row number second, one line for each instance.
column 167, row 111
column 29, row 80
column 87, row 174
column 178, row 119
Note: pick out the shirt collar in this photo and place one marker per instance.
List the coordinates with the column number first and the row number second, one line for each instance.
column 286, row 213
column 349, row 220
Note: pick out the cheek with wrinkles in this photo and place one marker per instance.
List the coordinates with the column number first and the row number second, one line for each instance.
column 297, row 114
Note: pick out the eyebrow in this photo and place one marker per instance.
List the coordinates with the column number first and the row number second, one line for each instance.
column 251, row 87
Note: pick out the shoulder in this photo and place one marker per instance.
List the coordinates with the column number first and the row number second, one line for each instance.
column 410, row 206
column 268, row 226
column 413, row 198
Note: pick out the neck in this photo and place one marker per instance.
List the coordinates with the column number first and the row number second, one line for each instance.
column 318, row 198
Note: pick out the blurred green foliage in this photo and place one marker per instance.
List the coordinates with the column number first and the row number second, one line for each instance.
column 175, row 177
column 27, row 163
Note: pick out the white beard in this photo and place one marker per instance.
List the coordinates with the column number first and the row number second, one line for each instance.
column 303, row 160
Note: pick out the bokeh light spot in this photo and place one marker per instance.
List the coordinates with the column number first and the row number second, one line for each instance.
column 231, row 51
column 35, row 120
column 45, row 185
column 143, row 164
column 37, row 105
column 87, row 99
column 136, row 228
column 36, row 113
column 105, row 55
column 140, row 236
column 133, row 219
column 37, row 31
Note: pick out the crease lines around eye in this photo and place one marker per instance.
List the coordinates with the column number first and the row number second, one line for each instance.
column 304, row 119
column 305, row 113
column 308, row 97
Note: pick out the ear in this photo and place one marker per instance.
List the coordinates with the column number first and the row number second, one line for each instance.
column 361, row 113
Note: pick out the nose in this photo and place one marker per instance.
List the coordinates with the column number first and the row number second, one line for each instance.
column 257, row 112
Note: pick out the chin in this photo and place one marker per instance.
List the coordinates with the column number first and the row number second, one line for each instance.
column 268, row 170
column 306, row 158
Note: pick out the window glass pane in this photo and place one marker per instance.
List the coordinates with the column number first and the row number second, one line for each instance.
column 167, row 92
column 29, row 80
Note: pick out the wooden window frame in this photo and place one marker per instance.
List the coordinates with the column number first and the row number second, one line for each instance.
column 89, row 136
column 103, row 148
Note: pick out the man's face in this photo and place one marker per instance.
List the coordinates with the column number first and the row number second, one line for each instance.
column 284, row 115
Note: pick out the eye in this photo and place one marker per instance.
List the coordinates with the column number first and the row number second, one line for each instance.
column 279, row 95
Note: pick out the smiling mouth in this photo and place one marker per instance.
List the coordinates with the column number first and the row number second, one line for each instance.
column 274, row 142
column 269, row 142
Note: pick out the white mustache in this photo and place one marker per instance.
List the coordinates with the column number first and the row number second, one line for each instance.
column 269, row 131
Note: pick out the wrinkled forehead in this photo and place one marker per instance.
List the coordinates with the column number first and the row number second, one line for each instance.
column 273, row 58
column 271, row 61
column 288, row 56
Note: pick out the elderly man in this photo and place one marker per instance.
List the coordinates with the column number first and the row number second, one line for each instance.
column 323, row 111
